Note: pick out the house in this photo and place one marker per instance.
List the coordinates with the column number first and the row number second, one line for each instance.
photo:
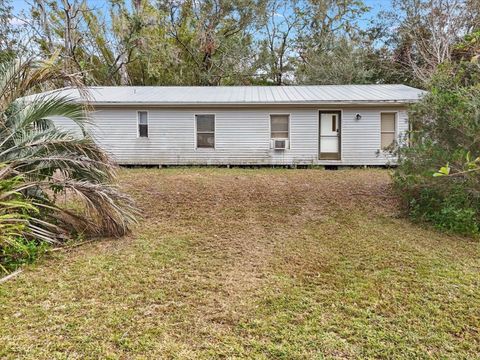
column 248, row 125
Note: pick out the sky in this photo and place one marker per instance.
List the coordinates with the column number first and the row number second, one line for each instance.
column 20, row 5
column 376, row 5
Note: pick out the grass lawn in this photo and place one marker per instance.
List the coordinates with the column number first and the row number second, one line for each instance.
column 233, row 263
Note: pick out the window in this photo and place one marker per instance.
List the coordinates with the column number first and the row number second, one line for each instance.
column 142, row 124
column 279, row 126
column 334, row 123
column 205, row 131
column 388, row 129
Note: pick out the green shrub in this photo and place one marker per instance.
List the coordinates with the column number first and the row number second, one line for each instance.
column 452, row 213
column 439, row 173
column 20, row 251
column 16, row 245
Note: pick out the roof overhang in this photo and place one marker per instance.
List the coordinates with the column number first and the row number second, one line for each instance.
column 252, row 104
column 244, row 96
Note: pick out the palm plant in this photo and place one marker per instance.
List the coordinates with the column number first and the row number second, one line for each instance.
column 41, row 162
column 15, row 222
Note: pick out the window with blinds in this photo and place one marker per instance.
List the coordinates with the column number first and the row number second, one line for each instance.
column 142, row 124
column 205, row 131
column 387, row 129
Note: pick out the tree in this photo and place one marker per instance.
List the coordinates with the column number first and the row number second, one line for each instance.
column 331, row 47
column 468, row 49
column 427, row 30
column 98, row 46
column 212, row 39
column 8, row 42
column 281, row 23
column 114, row 43
column 227, row 42
column 48, row 161
column 59, row 28
column 345, row 63
column 164, row 43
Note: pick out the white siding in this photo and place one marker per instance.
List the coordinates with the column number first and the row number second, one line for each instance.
column 67, row 125
column 242, row 136
column 361, row 139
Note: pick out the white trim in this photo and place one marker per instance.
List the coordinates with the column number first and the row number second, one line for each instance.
column 138, row 124
column 195, row 132
column 289, row 138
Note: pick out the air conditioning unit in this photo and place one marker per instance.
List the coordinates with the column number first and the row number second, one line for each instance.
column 280, row 144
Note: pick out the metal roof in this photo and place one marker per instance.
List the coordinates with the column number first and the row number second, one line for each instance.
column 242, row 95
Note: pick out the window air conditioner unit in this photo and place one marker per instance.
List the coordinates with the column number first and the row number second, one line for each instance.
column 280, row 144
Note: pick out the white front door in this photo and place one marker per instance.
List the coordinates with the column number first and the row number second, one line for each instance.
column 330, row 135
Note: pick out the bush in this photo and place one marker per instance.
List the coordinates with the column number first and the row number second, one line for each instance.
column 451, row 213
column 15, row 215
column 40, row 163
column 439, row 173
column 55, row 160
column 19, row 252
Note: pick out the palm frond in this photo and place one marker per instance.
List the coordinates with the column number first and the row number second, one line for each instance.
column 40, row 112
column 22, row 77
column 108, row 210
column 39, row 161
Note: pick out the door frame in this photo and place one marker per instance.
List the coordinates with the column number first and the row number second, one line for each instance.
column 330, row 156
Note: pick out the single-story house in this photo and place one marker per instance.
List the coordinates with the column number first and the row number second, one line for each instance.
column 248, row 125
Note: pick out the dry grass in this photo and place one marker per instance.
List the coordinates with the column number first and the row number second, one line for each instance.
column 253, row 264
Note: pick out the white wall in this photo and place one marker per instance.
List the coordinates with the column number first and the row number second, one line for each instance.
column 242, row 136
